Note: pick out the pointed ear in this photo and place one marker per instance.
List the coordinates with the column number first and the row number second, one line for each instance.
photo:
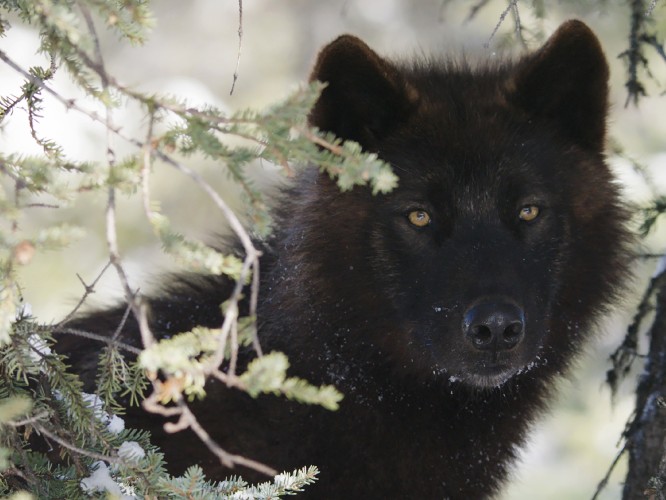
column 366, row 97
column 566, row 81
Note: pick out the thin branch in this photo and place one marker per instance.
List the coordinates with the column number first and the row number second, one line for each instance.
column 29, row 421
column 39, row 205
column 152, row 404
column 474, row 10
column 68, row 103
column 240, row 44
column 254, row 300
column 96, row 44
column 634, row 54
column 518, row 24
column 100, row 338
column 146, row 168
column 97, row 456
column 88, row 290
column 7, row 109
column 604, row 482
column 650, row 8
column 187, row 419
column 624, row 356
column 123, row 320
column 234, row 222
column 227, row 459
column 512, row 5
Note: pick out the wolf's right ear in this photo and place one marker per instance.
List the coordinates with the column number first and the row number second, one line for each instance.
column 365, row 97
column 566, row 82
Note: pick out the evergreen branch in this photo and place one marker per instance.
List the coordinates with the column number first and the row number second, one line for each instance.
column 68, row 103
column 28, row 421
column 639, row 36
column 252, row 254
column 8, row 104
column 271, row 133
column 80, row 451
column 625, row 355
column 650, row 8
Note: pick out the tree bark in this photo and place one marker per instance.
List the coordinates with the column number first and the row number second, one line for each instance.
column 646, row 434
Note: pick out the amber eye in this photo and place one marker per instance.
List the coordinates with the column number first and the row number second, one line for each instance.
column 528, row 213
column 419, row 218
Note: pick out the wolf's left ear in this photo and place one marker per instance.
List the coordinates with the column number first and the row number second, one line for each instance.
column 566, row 81
column 366, row 96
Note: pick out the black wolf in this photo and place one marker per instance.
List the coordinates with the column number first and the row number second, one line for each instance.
column 444, row 310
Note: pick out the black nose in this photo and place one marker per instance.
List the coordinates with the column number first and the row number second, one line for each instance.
column 494, row 325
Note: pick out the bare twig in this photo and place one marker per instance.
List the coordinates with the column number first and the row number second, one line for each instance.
column 240, row 44
column 188, row 420
column 89, row 289
column 146, row 168
column 474, row 10
column 254, row 300
column 39, row 205
column 100, row 338
column 152, row 405
column 512, row 7
column 97, row 46
column 604, row 482
column 518, row 24
column 123, row 320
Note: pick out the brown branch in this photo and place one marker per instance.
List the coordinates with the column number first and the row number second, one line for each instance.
column 227, row 459
column 187, row 420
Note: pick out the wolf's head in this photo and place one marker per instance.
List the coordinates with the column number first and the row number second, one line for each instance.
column 505, row 238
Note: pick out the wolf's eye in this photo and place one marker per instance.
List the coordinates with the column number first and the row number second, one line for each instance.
column 528, row 213
column 419, row 218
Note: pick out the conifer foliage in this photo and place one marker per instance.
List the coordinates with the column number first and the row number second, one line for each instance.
column 55, row 440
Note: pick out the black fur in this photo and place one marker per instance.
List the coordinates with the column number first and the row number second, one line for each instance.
column 357, row 296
